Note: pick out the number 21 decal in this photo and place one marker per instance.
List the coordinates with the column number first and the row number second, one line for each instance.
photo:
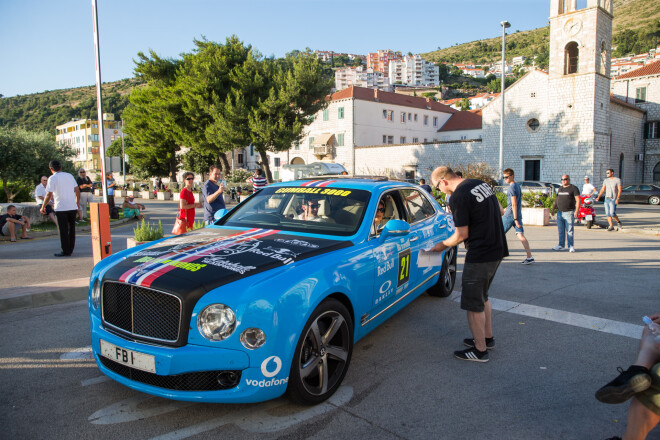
column 404, row 268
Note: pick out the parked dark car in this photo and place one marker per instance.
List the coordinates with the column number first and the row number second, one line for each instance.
column 641, row 193
column 541, row 188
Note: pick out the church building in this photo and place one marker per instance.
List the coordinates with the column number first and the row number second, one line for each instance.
column 565, row 121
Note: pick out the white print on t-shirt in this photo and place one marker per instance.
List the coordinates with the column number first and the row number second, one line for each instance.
column 482, row 191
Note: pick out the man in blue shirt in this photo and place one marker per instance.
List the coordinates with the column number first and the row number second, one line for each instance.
column 110, row 184
column 212, row 193
column 513, row 213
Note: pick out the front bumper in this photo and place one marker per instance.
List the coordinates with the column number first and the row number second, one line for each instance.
column 177, row 365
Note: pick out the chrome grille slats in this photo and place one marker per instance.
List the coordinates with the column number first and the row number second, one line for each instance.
column 142, row 313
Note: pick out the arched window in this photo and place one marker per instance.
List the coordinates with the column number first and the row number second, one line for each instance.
column 621, row 166
column 571, row 58
column 656, row 173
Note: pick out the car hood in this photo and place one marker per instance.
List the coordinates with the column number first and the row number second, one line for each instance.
column 194, row 263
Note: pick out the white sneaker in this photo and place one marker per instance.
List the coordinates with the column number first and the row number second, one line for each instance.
column 558, row 248
column 571, row 249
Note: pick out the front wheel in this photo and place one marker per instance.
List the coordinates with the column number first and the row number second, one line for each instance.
column 590, row 223
column 445, row 284
column 322, row 354
column 654, row 200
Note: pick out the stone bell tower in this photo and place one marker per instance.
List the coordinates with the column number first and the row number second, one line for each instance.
column 579, row 82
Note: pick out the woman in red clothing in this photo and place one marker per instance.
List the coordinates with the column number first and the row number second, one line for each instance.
column 187, row 203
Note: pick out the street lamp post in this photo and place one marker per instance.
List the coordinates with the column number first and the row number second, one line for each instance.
column 123, row 154
column 505, row 24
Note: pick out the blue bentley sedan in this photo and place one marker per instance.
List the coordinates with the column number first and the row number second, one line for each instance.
column 271, row 298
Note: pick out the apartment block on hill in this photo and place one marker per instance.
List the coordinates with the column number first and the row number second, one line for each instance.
column 82, row 135
column 360, row 77
column 414, row 71
column 380, row 60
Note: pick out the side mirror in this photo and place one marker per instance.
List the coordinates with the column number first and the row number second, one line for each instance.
column 220, row 213
column 395, row 228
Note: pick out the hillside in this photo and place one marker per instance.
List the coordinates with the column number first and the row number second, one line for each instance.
column 44, row 111
column 636, row 30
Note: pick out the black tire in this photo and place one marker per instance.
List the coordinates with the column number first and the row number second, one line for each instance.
column 654, row 200
column 322, row 355
column 590, row 223
column 445, row 284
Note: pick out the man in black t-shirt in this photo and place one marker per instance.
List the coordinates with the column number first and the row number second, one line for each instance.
column 478, row 220
column 568, row 203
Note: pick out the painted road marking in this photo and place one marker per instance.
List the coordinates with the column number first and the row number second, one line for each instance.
column 135, row 408
column 569, row 318
column 257, row 419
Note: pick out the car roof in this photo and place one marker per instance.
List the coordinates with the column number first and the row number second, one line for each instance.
column 367, row 183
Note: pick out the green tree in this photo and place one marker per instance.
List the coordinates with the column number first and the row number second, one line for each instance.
column 464, row 104
column 154, row 117
column 25, row 157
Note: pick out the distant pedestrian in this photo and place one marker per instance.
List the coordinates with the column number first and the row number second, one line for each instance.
column 85, row 185
column 40, row 195
column 426, row 187
column 568, row 204
column 513, row 213
column 257, row 180
column 588, row 189
column 187, row 202
column 212, row 192
column 11, row 222
column 478, row 220
column 64, row 188
column 110, row 184
column 612, row 189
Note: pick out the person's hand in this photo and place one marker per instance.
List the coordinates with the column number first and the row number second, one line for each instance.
column 42, row 210
column 655, row 317
column 577, row 213
column 616, row 202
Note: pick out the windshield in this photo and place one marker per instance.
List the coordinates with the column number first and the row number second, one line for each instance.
column 331, row 211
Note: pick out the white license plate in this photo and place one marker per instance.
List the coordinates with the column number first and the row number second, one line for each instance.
column 134, row 359
column 589, row 217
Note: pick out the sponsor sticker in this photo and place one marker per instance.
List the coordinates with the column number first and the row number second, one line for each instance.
column 269, row 368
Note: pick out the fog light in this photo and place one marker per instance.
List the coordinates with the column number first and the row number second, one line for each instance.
column 253, row 338
column 216, row 322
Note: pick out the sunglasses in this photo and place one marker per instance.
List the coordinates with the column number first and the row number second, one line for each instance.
column 190, row 178
column 564, row 179
column 314, row 206
column 506, row 177
column 381, row 209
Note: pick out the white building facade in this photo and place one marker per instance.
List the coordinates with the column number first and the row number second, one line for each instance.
column 82, row 136
column 360, row 77
column 414, row 71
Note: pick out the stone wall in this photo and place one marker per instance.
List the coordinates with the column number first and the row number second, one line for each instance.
column 30, row 210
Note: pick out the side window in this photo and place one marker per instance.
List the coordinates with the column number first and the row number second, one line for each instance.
column 417, row 205
column 386, row 210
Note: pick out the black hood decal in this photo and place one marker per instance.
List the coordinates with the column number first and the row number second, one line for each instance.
column 194, row 263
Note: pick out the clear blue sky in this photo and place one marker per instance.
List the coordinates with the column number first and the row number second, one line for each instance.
column 48, row 44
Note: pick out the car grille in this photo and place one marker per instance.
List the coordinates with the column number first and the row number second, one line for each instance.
column 199, row 381
column 143, row 313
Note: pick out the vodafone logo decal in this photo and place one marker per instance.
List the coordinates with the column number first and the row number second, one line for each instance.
column 264, row 366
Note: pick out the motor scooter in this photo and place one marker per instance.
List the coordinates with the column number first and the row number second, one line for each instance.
column 587, row 211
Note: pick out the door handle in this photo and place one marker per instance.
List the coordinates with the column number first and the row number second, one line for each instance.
column 414, row 239
column 442, row 226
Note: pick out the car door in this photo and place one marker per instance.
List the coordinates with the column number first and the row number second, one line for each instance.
column 643, row 193
column 629, row 193
column 392, row 257
column 420, row 214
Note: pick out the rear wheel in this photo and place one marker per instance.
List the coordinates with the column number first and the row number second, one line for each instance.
column 590, row 223
column 445, row 284
column 654, row 200
column 322, row 355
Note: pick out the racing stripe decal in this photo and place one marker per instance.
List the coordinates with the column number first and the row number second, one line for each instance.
column 145, row 274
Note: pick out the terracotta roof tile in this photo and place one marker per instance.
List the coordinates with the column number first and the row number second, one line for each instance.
column 648, row 70
column 365, row 94
column 463, row 121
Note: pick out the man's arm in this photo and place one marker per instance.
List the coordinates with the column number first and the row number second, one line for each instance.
column 49, row 195
column 602, row 190
column 577, row 203
column 77, row 191
column 514, row 207
column 210, row 198
column 459, row 236
column 618, row 194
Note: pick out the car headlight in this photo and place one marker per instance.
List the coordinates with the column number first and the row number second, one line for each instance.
column 216, row 322
column 253, row 338
column 96, row 294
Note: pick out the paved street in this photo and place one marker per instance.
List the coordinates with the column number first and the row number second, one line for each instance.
column 562, row 327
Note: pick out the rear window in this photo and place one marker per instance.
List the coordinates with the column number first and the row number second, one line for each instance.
column 330, row 211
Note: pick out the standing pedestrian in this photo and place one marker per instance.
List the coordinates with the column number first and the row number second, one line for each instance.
column 187, row 203
column 513, row 213
column 612, row 189
column 85, row 185
column 64, row 189
column 478, row 219
column 110, row 184
column 257, row 180
column 212, row 192
column 568, row 204
column 40, row 195
column 426, row 187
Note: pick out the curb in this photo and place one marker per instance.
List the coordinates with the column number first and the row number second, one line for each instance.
column 88, row 228
column 15, row 298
